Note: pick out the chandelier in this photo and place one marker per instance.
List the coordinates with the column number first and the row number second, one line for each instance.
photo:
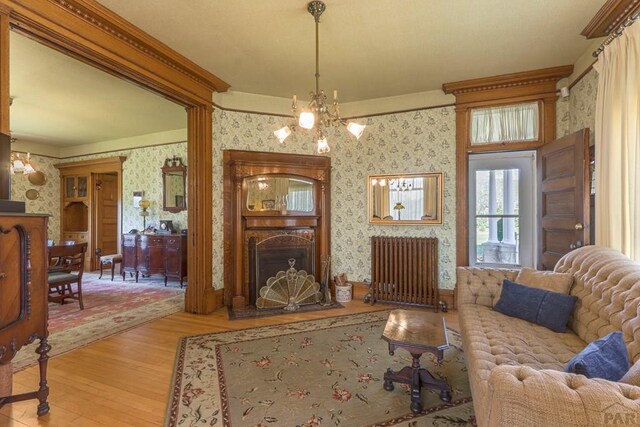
column 318, row 115
column 20, row 165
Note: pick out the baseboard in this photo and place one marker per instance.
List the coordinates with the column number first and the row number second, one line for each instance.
column 448, row 296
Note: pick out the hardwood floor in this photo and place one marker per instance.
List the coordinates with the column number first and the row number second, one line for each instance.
column 124, row 380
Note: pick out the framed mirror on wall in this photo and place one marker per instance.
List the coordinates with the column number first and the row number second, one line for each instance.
column 174, row 181
column 280, row 193
column 405, row 199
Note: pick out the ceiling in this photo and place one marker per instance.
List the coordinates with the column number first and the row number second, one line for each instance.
column 368, row 49
column 58, row 100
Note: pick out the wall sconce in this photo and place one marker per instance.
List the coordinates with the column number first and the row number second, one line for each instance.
column 20, row 165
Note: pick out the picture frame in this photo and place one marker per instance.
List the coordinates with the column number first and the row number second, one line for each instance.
column 268, row 204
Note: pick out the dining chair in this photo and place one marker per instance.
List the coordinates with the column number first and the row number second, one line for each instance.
column 67, row 273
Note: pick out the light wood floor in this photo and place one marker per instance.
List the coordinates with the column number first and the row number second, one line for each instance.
column 124, row 380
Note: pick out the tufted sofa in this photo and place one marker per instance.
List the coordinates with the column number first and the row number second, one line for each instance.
column 515, row 367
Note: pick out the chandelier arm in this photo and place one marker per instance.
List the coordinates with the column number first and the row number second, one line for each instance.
column 317, row 54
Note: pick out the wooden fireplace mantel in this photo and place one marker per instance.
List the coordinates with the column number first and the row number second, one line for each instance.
column 240, row 223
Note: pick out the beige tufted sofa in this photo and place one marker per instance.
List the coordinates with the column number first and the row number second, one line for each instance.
column 515, row 367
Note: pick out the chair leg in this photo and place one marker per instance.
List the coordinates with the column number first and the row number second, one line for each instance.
column 100, row 270
column 113, row 269
column 79, row 294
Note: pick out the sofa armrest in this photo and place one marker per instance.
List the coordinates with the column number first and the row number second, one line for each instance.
column 523, row 396
column 480, row 285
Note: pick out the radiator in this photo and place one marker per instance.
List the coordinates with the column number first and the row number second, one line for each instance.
column 404, row 270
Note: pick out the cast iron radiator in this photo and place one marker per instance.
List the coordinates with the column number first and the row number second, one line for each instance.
column 404, row 270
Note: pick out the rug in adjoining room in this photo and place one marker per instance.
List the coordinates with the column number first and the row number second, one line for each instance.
column 309, row 373
column 109, row 308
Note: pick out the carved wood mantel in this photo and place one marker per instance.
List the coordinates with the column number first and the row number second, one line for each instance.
column 240, row 223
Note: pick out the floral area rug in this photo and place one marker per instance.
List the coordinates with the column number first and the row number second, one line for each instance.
column 109, row 308
column 310, row 373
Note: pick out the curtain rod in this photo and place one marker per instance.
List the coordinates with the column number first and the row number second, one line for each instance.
column 617, row 33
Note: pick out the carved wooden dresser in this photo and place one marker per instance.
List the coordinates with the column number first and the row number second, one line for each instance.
column 23, row 295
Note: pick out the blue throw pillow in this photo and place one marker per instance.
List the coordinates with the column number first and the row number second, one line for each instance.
column 545, row 308
column 604, row 358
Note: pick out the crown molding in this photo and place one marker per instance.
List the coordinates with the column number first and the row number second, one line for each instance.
column 609, row 17
column 545, row 75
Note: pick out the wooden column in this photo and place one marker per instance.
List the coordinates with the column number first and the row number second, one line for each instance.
column 5, row 152
column 200, row 295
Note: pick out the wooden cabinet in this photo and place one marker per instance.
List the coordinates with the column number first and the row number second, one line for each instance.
column 76, row 187
column 155, row 254
column 23, row 295
column 83, row 211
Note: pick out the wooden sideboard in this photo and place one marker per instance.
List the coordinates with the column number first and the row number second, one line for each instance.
column 23, row 295
column 149, row 254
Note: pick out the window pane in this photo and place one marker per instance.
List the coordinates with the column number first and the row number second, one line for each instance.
column 497, row 241
column 505, row 123
column 497, row 192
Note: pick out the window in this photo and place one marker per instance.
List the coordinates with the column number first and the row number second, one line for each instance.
column 501, row 209
column 504, row 123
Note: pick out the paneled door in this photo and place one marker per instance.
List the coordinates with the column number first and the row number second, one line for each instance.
column 106, row 215
column 563, row 197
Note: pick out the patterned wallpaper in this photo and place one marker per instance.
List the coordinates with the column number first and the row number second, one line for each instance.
column 141, row 172
column 48, row 200
column 421, row 141
column 582, row 104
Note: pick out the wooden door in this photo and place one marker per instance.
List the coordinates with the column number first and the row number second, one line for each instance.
column 105, row 215
column 563, row 197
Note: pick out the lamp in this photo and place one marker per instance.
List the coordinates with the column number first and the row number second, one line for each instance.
column 318, row 115
column 144, row 205
column 398, row 207
column 19, row 165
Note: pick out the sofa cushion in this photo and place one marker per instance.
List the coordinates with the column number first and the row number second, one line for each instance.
column 604, row 358
column 633, row 375
column 548, row 280
column 549, row 309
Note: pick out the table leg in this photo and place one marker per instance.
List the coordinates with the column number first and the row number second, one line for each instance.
column 416, row 403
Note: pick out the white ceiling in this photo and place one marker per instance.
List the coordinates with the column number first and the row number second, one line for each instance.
column 368, row 49
column 58, row 100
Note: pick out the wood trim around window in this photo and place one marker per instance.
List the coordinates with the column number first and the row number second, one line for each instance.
column 537, row 85
column 610, row 17
column 92, row 33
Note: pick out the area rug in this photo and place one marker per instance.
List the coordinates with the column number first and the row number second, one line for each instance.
column 109, row 308
column 310, row 373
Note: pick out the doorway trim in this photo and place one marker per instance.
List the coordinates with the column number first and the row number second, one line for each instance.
column 97, row 36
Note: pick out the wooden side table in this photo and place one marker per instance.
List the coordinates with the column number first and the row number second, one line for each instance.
column 417, row 332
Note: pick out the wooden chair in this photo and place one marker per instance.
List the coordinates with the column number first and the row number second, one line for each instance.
column 61, row 279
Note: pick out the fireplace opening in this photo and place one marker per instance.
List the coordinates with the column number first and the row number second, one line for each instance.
column 271, row 255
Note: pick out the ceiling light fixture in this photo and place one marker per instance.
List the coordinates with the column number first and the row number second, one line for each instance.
column 318, row 115
column 19, row 165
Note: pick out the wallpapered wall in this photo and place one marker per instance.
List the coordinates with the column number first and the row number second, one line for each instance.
column 422, row 141
column 48, row 200
column 141, row 172
column 582, row 104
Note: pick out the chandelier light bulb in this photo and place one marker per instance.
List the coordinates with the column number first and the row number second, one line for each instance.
column 356, row 129
column 282, row 134
column 383, row 182
column 323, row 146
column 374, row 181
column 307, row 120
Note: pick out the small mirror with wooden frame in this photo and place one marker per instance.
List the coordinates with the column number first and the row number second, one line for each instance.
column 405, row 199
column 174, row 182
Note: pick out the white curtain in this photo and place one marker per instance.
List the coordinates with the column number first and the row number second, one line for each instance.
column 518, row 122
column 617, row 132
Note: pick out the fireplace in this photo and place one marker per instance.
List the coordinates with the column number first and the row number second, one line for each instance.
column 271, row 254
column 276, row 207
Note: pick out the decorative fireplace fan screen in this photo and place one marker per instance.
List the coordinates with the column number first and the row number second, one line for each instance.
column 289, row 289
